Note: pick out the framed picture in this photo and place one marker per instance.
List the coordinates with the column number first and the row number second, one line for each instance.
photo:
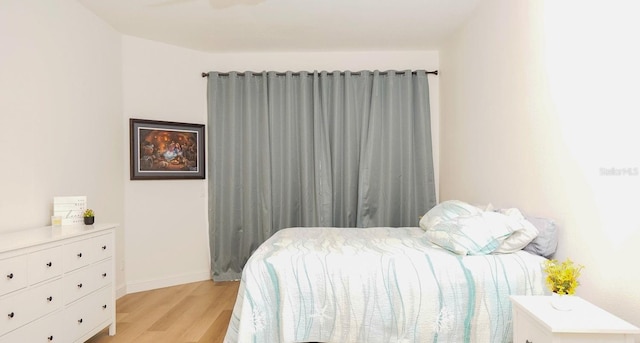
column 162, row 150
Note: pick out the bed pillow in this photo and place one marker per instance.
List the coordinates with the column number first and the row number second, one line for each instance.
column 546, row 243
column 525, row 232
column 477, row 234
column 447, row 210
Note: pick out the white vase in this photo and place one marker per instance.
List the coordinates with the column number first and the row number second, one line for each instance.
column 562, row 302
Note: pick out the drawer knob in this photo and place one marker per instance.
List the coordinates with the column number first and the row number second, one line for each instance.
column 49, row 264
column 528, row 341
column 10, row 276
column 50, row 299
column 79, row 255
column 11, row 315
column 104, row 306
column 80, row 321
column 79, row 285
column 104, row 247
column 50, row 338
column 104, row 274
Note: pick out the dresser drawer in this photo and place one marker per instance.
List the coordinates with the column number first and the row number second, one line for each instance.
column 87, row 280
column 86, row 314
column 531, row 333
column 44, row 264
column 104, row 246
column 82, row 253
column 44, row 330
column 23, row 307
column 14, row 274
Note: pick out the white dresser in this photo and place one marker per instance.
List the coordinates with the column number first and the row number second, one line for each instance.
column 57, row 283
column 536, row 321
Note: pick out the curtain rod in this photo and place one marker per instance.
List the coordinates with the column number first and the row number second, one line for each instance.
column 435, row 72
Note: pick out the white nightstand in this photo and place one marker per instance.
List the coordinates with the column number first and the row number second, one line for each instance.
column 535, row 321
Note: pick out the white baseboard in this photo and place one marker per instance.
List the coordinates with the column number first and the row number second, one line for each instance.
column 141, row 286
column 121, row 290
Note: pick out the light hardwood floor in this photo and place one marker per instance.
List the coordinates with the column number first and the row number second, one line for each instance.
column 192, row 313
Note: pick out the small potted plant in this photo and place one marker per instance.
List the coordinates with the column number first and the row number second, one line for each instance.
column 562, row 280
column 89, row 217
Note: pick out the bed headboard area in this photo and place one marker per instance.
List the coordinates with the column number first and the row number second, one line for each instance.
column 546, row 243
column 466, row 229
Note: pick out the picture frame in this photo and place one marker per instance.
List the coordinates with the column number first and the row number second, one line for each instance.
column 164, row 150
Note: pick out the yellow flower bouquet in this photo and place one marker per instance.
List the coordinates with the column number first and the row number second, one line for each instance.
column 562, row 278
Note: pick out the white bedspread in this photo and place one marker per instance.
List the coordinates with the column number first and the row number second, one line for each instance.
column 376, row 285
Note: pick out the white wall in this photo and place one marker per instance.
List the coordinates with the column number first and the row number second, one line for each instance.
column 537, row 98
column 167, row 235
column 60, row 113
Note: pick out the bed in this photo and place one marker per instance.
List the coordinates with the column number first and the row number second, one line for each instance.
column 376, row 285
column 385, row 284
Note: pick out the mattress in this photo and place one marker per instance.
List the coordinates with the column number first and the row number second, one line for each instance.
column 376, row 285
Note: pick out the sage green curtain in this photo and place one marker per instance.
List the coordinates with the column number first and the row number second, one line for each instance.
column 337, row 149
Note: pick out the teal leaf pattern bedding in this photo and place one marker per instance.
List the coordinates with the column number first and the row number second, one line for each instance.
column 376, row 285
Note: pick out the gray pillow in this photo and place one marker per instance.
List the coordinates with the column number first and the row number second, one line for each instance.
column 547, row 241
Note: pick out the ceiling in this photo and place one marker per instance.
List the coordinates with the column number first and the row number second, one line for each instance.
column 287, row 25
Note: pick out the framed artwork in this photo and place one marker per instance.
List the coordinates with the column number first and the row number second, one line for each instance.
column 162, row 150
